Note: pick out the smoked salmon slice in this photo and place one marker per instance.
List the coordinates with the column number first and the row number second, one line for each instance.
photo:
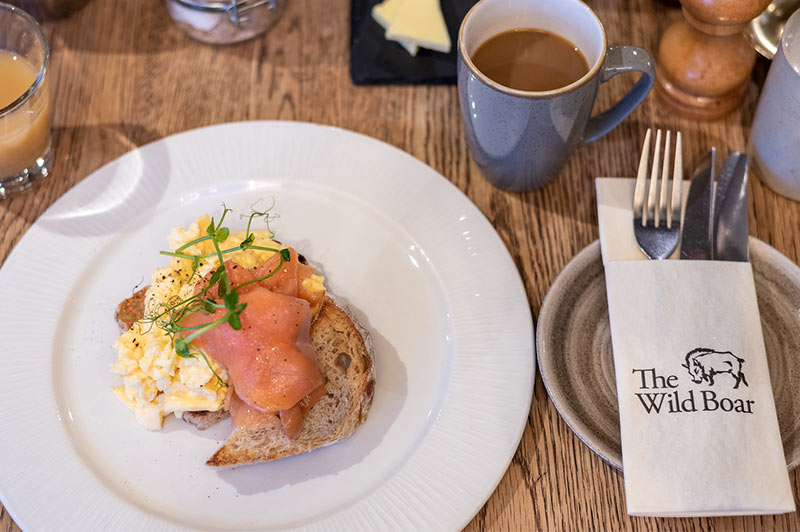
column 291, row 421
column 287, row 281
column 248, row 417
column 270, row 361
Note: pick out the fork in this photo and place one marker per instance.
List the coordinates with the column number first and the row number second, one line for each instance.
column 657, row 223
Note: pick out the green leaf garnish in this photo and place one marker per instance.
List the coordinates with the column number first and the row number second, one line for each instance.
column 231, row 300
column 182, row 348
column 219, row 272
column 248, row 241
column 221, row 235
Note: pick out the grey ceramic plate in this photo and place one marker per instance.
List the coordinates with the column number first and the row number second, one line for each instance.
column 573, row 344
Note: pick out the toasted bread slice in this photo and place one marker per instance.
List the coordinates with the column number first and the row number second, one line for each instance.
column 346, row 360
column 344, row 351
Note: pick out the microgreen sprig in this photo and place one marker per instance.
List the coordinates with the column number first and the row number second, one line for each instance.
column 169, row 317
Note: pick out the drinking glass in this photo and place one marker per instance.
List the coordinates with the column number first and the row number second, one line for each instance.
column 25, row 136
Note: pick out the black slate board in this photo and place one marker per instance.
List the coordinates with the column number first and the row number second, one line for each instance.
column 377, row 61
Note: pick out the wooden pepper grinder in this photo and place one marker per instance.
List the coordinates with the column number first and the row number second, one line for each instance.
column 705, row 60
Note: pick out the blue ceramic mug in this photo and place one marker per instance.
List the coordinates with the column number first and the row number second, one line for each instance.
column 521, row 139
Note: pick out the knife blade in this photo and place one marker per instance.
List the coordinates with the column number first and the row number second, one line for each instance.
column 730, row 211
column 697, row 229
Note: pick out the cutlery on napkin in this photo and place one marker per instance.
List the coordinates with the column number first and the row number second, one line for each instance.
column 715, row 219
column 697, row 418
column 730, row 211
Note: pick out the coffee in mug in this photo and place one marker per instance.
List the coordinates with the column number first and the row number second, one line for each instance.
column 530, row 59
column 521, row 137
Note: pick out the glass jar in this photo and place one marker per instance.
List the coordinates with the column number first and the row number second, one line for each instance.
column 225, row 22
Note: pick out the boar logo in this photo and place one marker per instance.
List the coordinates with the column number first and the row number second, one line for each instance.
column 703, row 364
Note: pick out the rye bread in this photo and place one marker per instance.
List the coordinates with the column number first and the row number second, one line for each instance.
column 344, row 352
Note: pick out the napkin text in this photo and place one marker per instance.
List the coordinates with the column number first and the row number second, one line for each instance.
column 664, row 395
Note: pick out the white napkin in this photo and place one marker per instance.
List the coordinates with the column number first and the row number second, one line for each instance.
column 699, row 431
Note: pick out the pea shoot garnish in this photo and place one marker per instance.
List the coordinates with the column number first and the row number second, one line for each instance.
column 168, row 317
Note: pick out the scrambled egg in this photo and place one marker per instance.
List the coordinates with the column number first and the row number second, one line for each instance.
column 152, row 379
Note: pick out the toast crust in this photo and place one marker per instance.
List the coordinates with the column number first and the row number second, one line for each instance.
column 345, row 355
column 205, row 419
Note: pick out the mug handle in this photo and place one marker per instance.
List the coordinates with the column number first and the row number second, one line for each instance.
column 621, row 59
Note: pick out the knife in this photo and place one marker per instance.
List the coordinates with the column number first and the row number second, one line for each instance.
column 697, row 229
column 730, row 211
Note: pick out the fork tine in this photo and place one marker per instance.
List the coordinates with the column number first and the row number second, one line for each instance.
column 641, row 176
column 677, row 182
column 653, row 187
column 662, row 197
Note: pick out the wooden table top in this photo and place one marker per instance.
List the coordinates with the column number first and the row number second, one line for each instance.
column 122, row 75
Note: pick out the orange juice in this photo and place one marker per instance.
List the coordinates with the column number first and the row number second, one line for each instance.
column 25, row 131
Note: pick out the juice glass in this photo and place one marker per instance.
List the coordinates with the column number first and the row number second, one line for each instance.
column 25, row 138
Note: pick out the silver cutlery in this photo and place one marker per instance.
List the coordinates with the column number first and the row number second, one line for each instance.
column 715, row 221
column 730, row 211
column 698, row 229
column 657, row 205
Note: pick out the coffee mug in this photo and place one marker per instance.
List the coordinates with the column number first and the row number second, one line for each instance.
column 521, row 139
column 775, row 136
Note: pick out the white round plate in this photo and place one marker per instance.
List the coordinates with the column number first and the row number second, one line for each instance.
column 415, row 260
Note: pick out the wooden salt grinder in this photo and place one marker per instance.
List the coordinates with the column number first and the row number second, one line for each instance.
column 704, row 60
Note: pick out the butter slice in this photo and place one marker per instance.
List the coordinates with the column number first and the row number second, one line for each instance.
column 420, row 22
column 384, row 13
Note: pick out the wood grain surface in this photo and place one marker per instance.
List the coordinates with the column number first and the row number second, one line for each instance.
column 123, row 75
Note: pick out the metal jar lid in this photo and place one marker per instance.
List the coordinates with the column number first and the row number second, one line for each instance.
column 235, row 9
